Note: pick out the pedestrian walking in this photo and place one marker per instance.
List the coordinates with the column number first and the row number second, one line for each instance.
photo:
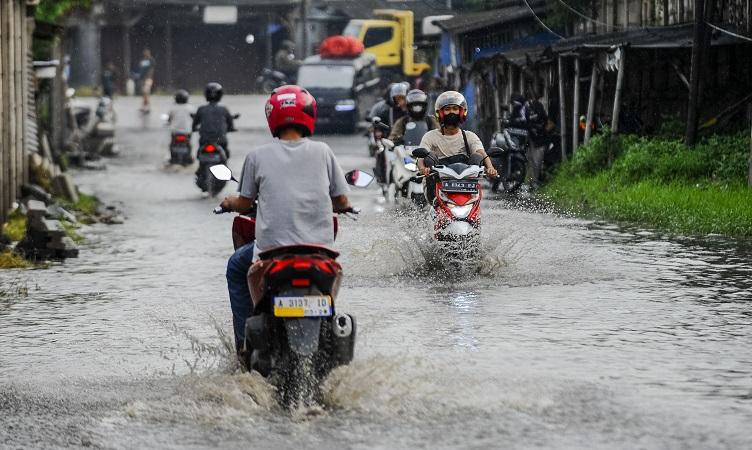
column 145, row 73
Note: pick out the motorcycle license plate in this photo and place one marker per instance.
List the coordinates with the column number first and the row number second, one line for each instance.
column 303, row 306
column 181, row 150
column 459, row 186
column 210, row 158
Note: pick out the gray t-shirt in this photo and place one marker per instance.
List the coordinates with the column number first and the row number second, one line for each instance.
column 443, row 145
column 294, row 182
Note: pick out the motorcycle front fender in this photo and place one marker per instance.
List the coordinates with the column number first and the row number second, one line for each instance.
column 303, row 335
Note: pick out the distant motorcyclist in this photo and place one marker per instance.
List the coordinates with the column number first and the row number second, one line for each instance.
column 394, row 106
column 213, row 121
column 537, row 121
column 297, row 182
column 284, row 60
column 450, row 142
column 417, row 108
column 179, row 118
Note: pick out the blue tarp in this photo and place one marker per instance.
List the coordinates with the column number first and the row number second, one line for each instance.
column 541, row 38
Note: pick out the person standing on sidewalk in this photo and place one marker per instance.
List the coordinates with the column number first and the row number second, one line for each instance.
column 146, row 79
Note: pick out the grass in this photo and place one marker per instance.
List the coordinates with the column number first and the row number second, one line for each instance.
column 85, row 208
column 10, row 260
column 15, row 227
column 660, row 183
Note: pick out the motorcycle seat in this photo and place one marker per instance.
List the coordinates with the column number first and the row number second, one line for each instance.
column 300, row 249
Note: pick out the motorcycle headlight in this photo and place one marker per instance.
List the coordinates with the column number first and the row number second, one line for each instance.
column 461, row 212
column 411, row 167
column 345, row 105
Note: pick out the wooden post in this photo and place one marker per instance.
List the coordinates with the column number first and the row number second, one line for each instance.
column 591, row 100
column 576, row 106
column 698, row 40
column 497, row 103
column 126, row 63
column 562, row 110
column 4, row 183
column 619, row 89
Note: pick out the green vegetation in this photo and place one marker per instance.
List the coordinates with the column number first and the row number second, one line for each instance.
column 15, row 228
column 85, row 209
column 54, row 10
column 660, row 183
column 10, row 260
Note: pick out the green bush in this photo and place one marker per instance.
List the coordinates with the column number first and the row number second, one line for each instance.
column 661, row 183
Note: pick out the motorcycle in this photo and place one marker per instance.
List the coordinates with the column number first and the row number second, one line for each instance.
column 511, row 159
column 404, row 181
column 211, row 154
column 456, row 208
column 90, row 137
column 378, row 131
column 295, row 336
column 180, row 149
column 271, row 79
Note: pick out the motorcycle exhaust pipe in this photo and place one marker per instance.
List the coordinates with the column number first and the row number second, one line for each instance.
column 344, row 330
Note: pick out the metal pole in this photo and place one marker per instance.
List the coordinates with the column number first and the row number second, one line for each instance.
column 591, row 100
column 304, row 20
column 268, row 42
column 619, row 89
column 168, row 53
column 562, row 110
column 576, row 106
column 690, row 136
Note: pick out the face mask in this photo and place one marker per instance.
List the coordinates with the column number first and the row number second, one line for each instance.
column 452, row 120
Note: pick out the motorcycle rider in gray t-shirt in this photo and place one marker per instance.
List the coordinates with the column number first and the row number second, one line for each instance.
column 297, row 183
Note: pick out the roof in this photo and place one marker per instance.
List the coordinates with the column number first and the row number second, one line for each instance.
column 517, row 10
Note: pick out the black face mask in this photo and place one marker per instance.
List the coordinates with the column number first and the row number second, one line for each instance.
column 452, row 120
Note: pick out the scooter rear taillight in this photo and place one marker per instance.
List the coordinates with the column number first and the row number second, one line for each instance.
column 210, row 148
column 180, row 138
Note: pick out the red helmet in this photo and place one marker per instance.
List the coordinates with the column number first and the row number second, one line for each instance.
column 291, row 105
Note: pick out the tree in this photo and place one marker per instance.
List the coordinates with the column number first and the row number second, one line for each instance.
column 54, row 10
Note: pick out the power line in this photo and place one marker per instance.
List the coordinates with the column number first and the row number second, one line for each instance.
column 738, row 36
column 540, row 21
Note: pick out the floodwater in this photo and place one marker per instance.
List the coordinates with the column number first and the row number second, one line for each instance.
column 564, row 333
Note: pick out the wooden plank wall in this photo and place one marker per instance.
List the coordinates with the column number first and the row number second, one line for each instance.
column 14, row 92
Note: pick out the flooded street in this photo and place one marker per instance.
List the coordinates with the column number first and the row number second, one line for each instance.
column 567, row 334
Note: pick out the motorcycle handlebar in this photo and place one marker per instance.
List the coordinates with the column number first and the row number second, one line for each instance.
column 220, row 210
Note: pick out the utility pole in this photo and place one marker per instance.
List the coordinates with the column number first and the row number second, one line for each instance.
column 690, row 137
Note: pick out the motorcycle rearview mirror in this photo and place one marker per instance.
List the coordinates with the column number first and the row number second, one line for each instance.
column 165, row 117
column 236, row 116
column 375, row 119
column 420, row 152
column 495, row 152
column 222, row 173
column 358, row 178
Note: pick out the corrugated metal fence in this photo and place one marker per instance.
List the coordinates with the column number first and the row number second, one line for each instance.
column 15, row 73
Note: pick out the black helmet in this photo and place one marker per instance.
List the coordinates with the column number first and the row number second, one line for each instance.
column 417, row 102
column 181, row 96
column 213, row 92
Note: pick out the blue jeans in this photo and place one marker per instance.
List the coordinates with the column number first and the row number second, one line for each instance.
column 240, row 295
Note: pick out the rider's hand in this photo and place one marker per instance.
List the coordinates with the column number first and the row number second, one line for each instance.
column 425, row 171
column 227, row 203
column 491, row 172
